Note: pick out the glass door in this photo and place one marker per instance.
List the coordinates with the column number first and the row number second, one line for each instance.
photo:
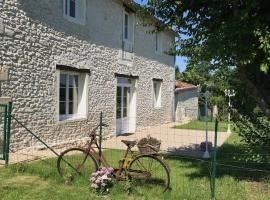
column 122, row 109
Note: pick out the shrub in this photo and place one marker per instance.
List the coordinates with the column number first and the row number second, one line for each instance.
column 255, row 131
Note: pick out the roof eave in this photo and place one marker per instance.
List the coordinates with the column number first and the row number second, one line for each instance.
column 185, row 89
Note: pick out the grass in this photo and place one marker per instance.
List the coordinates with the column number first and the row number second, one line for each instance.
column 200, row 125
column 189, row 180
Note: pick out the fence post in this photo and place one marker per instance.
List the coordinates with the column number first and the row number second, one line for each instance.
column 5, row 133
column 214, row 164
column 8, row 132
column 100, row 137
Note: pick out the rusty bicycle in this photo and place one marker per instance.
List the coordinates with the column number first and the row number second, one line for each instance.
column 143, row 168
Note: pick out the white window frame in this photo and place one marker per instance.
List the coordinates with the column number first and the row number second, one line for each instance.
column 124, row 26
column 79, row 20
column 82, row 110
column 157, row 99
column 127, row 51
column 130, row 15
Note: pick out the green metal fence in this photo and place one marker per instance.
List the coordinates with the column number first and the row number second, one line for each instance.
column 5, row 121
column 223, row 171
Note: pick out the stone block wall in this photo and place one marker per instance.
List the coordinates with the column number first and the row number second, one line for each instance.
column 186, row 102
column 35, row 37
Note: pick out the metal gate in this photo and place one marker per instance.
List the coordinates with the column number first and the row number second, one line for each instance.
column 5, row 121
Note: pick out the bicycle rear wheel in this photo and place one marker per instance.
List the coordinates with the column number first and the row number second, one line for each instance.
column 149, row 171
column 74, row 161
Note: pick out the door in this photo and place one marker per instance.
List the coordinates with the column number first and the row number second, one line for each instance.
column 125, row 106
column 122, row 109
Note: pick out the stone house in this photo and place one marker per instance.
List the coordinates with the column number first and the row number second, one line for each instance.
column 69, row 60
column 186, row 101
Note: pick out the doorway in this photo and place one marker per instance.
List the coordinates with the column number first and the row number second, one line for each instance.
column 125, row 106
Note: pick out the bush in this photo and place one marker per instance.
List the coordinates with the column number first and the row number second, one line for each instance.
column 255, row 131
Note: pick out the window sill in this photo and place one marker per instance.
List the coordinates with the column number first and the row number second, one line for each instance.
column 72, row 119
column 125, row 62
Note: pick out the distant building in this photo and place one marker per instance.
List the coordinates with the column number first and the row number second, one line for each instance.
column 186, row 101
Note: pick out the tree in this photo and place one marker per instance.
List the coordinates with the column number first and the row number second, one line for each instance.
column 224, row 33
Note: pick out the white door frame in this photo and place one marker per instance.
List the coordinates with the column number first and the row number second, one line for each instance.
column 126, row 124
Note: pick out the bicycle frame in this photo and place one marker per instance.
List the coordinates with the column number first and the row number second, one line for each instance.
column 100, row 159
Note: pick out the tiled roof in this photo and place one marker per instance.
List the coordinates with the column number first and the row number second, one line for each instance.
column 180, row 85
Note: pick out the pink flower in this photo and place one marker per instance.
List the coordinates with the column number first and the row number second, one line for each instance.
column 94, row 186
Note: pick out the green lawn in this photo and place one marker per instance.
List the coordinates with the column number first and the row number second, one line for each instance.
column 189, row 177
column 200, row 125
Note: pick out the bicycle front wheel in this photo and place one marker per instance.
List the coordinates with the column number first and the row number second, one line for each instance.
column 149, row 171
column 74, row 161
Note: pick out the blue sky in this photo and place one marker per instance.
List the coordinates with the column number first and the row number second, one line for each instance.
column 180, row 61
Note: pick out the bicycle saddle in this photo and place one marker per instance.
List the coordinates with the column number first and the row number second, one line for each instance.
column 129, row 143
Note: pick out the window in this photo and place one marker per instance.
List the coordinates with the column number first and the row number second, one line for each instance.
column 68, row 98
column 158, row 43
column 128, row 34
column 126, row 26
column 157, row 93
column 128, row 31
column 71, row 7
column 74, row 10
column 72, row 95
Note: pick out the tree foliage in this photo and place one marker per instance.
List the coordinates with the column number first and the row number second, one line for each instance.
column 254, row 131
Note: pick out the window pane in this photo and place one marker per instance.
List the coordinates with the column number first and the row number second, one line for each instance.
column 126, row 27
column 125, row 102
column 73, row 81
column 70, row 109
column 62, row 108
column 157, row 93
column 66, row 8
column 118, row 91
column 124, row 112
column 63, row 78
column 118, row 113
column 73, row 107
column 62, row 96
column 118, row 102
column 76, row 78
column 126, row 91
column 72, row 8
column 73, row 94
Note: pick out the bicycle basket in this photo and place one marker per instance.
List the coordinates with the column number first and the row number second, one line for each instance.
column 149, row 145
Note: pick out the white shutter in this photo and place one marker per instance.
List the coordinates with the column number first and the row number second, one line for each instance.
column 77, row 13
column 131, row 27
column 80, row 10
column 159, row 41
